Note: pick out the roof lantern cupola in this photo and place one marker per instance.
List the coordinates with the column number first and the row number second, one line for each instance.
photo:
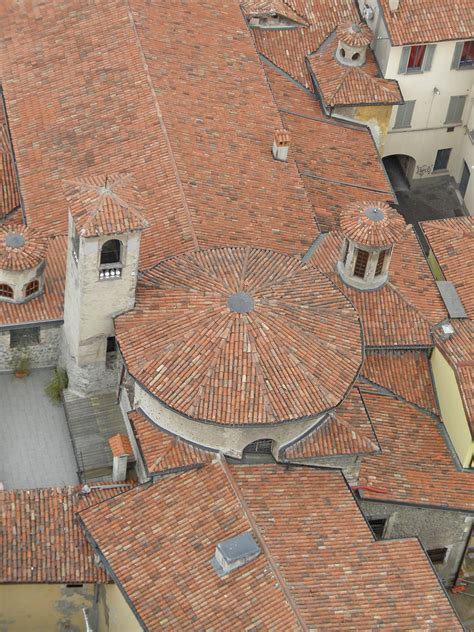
column 370, row 229
column 353, row 40
column 22, row 263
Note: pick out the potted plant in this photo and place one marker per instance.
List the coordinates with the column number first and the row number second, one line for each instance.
column 21, row 365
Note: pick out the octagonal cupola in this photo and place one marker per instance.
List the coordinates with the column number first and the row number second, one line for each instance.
column 353, row 40
column 22, row 263
column 370, row 229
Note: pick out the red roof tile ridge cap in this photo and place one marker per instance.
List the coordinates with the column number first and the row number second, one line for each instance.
column 162, row 124
column 256, row 529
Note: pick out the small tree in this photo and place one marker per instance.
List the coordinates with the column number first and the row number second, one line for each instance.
column 58, row 383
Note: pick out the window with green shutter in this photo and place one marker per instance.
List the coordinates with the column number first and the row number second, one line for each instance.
column 455, row 109
column 463, row 55
column 404, row 115
column 415, row 59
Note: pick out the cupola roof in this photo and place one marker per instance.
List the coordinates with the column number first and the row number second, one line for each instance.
column 354, row 34
column 374, row 224
column 21, row 248
column 102, row 205
column 241, row 336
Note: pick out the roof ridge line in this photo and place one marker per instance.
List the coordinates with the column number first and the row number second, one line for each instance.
column 384, row 390
column 162, row 124
column 270, row 560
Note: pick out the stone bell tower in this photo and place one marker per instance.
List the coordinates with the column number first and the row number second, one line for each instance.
column 105, row 224
column 370, row 229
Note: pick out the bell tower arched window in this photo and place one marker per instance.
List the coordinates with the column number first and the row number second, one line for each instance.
column 111, row 252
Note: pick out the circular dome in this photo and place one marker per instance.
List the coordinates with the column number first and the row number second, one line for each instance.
column 241, row 336
column 372, row 224
column 355, row 35
column 21, row 248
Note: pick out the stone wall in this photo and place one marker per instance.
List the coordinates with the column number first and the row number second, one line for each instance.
column 435, row 528
column 45, row 353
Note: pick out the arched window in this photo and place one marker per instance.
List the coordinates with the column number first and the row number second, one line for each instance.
column 32, row 287
column 6, row 291
column 111, row 252
column 380, row 262
column 262, row 446
column 361, row 263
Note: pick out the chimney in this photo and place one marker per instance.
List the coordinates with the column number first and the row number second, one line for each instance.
column 121, row 450
column 234, row 553
column 393, row 4
column 281, row 144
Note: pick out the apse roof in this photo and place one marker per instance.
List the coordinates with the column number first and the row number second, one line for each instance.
column 241, row 336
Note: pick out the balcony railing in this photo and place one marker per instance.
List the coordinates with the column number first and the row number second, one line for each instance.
column 110, row 271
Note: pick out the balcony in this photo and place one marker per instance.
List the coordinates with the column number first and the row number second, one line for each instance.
column 109, row 271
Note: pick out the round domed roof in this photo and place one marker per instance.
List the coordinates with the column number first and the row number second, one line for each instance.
column 241, row 336
column 354, row 34
column 21, row 248
column 372, row 224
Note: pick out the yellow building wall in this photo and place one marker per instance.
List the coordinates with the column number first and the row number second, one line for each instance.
column 43, row 607
column 451, row 407
column 115, row 614
column 378, row 116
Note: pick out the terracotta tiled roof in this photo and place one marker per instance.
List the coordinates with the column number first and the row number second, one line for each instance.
column 21, row 248
column 405, row 373
column 452, row 242
column 347, row 430
column 49, row 305
column 104, row 204
column 354, row 33
column 404, row 310
column 372, row 223
column 313, row 540
column 42, row 542
column 198, row 146
column 9, row 194
column 288, row 48
column 265, row 8
column 120, row 445
column 424, row 21
column 241, row 336
column 351, row 85
column 163, row 451
column 416, row 465
column 458, row 349
column 343, row 166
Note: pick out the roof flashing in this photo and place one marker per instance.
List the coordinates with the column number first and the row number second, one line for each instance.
column 451, row 299
column 234, row 552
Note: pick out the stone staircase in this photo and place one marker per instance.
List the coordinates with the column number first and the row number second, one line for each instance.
column 92, row 421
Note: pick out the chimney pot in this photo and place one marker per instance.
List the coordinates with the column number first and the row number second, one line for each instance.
column 281, row 144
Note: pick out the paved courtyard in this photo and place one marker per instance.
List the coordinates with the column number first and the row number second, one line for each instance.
column 35, row 446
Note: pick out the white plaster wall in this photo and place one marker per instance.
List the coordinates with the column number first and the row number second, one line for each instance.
column 227, row 439
column 428, row 131
column 467, row 154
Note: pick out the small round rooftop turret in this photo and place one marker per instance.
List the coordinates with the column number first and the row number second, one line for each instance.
column 21, row 248
column 374, row 224
column 353, row 40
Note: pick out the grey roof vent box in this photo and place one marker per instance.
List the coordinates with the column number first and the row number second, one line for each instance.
column 234, row 553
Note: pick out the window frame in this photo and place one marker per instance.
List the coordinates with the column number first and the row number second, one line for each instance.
column 360, row 254
column 380, row 262
column 6, row 291
column 375, row 523
column 435, row 553
column 22, row 337
column 426, row 60
column 457, row 63
column 404, row 115
column 438, row 157
column 455, row 121
column 417, row 53
column 29, row 285
column 120, row 254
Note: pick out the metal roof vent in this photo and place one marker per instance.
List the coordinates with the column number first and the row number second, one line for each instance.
column 447, row 330
column 234, row 553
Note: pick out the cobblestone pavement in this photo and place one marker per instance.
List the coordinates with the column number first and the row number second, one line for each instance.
column 35, row 446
